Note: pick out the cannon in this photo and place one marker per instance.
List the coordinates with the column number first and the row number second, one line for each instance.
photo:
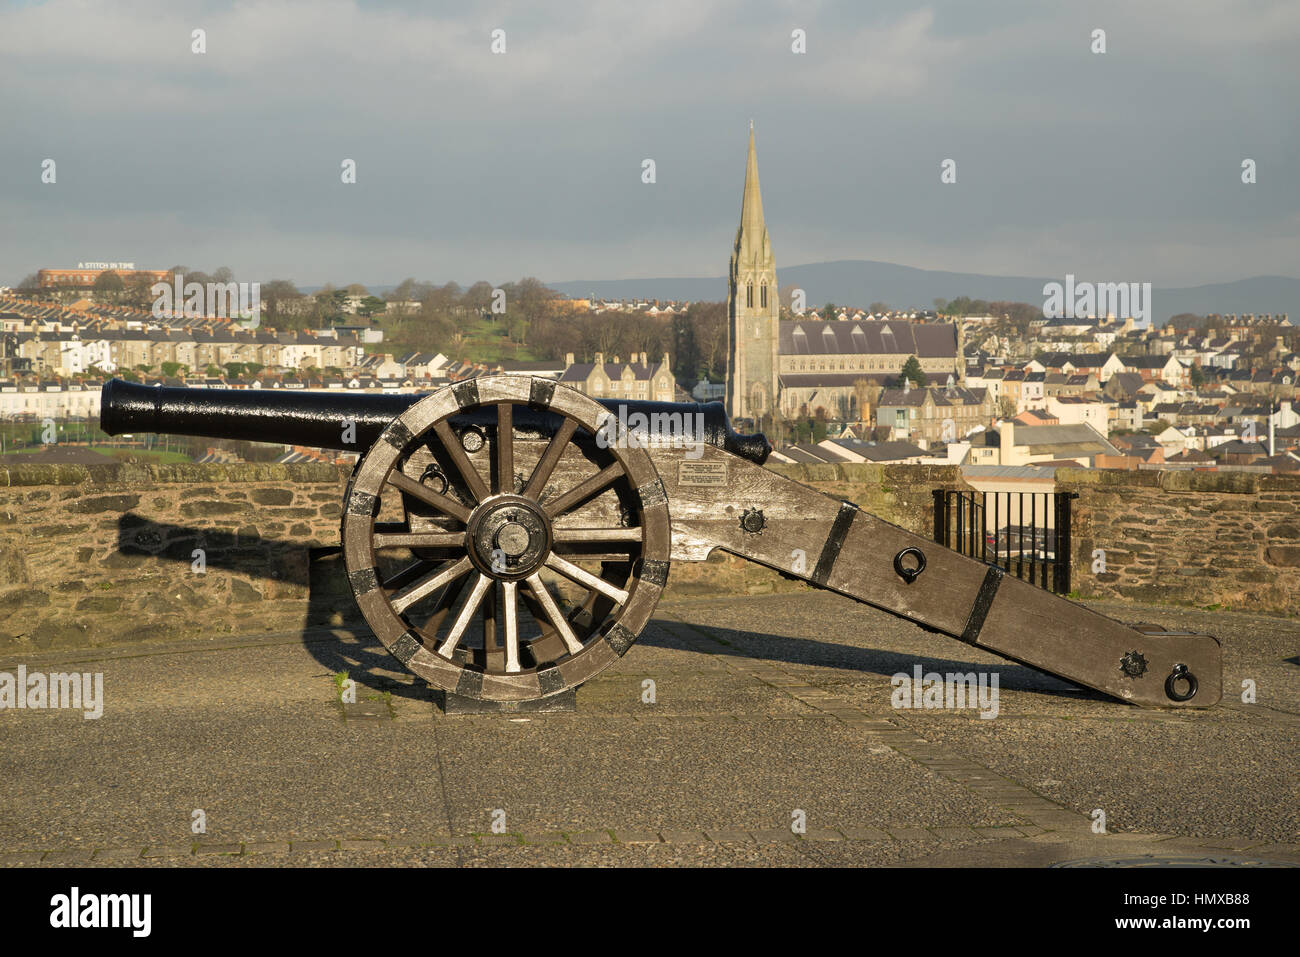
column 507, row 538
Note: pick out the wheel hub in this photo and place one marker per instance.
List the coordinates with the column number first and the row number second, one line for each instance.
column 509, row 537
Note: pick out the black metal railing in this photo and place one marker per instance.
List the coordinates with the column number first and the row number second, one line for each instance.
column 1025, row 533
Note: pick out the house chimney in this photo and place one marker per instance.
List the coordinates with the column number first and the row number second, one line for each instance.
column 666, row 361
column 600, row 358
column 1007, row 443
column 568, row 359
column 644, row 363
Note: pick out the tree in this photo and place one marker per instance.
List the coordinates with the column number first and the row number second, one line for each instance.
column 30, row 284
column 370, row 306
column 276, row 294
column 912, row 371
column 139, row 293
column 709, row 323
column 169, row 369
column 828, row 311
column 109, row 282
column 1197, row 377
column 878, row 307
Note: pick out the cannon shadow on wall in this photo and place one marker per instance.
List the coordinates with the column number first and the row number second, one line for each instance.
column 334, row 633
column 330, row 627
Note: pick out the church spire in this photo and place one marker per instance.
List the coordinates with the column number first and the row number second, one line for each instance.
column 753, row 232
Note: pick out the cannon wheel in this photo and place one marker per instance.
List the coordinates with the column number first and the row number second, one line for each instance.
column 496, row 544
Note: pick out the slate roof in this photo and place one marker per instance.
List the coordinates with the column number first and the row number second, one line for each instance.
column 868, row 337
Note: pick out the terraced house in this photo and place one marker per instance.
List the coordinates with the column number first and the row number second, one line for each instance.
column 934, row 415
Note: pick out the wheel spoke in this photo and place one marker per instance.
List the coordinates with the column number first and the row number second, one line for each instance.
column 505, row 477
column 448, row 506
column 412, row 572
column 419, row 539
column 456, row 452
column 407, row 597
column 510, row 613
column 570, row 536
column 546, row 464
column 466, row 613
column 580, row 493
column 584, row 577
column 561, row 624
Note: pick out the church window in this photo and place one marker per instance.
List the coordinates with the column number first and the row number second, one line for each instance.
column 749, row 295
column 762, row 290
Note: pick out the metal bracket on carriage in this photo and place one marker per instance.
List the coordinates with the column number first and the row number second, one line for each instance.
column 507, row 538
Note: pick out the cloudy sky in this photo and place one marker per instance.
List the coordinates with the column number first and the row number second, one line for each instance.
column 472, row 165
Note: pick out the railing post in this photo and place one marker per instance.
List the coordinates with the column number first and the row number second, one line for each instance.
column 1064, row 541
column 940, row 516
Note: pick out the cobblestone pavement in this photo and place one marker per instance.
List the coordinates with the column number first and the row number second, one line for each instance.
column 767, row 712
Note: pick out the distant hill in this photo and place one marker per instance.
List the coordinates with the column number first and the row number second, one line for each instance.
column 862, row 282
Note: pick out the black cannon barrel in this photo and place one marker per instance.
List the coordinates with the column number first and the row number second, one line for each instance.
column 317, row 419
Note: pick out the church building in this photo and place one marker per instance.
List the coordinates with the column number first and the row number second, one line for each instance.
column 796, row 366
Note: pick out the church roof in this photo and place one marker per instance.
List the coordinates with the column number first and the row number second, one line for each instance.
column 869, row 337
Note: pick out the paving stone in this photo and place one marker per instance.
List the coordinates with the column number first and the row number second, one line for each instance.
column 774, row 834
column 590, row 837
column 551, row 837
column 636, row 837
column 498, row 839
column 307, row 847
column 911, row 834
column 267, row 847
column 955, row 833
column 730, row 837
column 74, row 856
column 21, row 857
column 116, row 853
column 823, row 834
column 218, row 849
column 683, row 837
column 997, row 832
column 1291, row 850
column 454, row 840
column 361, row 845
column 864, row 834
column 175, row 850
column 1228, row 843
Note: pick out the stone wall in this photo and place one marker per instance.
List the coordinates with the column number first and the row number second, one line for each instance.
column 1230, row 539
column 97, row 555
column 105, row 554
